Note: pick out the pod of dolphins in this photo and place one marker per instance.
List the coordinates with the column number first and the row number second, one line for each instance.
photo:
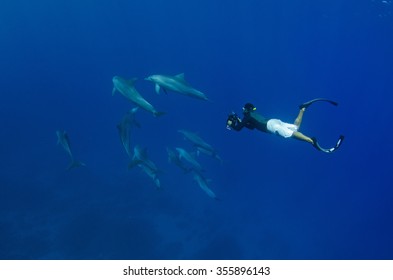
column 185, row 160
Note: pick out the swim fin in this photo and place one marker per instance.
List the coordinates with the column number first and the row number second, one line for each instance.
column 308, row 103
column 331, row 150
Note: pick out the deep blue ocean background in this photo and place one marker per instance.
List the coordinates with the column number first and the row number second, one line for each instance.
column 278, row 198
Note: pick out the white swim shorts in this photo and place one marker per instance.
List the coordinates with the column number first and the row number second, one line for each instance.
column 281, row 128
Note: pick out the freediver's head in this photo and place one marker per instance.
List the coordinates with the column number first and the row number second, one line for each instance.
column 248, row 107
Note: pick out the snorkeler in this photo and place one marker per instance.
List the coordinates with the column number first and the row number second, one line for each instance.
column 251, row 120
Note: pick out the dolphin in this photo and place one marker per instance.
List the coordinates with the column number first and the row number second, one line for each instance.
column 128, row 90
column 140, row 157
column 197, row 141
column 174, row 158
column 189, row 158
column 64, row 140
column 152, row 174
column 175, row 83
column 213, row 154
column 203, row 182
column 124, row 128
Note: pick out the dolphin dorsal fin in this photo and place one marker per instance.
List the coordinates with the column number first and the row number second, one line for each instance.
column 131, row 81
column 180, row 76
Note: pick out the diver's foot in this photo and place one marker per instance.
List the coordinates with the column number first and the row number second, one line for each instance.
column 308, row 103
column 331, row 150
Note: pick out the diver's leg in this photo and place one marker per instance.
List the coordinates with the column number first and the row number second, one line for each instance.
column 300, row 136
column 299, row 118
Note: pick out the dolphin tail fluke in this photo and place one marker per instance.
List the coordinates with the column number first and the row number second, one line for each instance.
column 158, row 114
column 75, row 164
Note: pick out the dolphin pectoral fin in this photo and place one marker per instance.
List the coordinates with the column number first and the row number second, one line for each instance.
column 157, row 88
column 113, row 91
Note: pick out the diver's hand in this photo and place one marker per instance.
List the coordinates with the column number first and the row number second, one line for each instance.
column 229, row 124
column 232, row 120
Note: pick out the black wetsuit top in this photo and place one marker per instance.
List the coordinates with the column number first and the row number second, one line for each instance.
column 252, row 120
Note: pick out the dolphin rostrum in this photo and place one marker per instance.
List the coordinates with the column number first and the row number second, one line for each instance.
column 63, row 139
column 175, row 83
column 128, row 90
column 124, row 128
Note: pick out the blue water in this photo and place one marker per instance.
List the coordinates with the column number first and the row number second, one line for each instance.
column 278, row 198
